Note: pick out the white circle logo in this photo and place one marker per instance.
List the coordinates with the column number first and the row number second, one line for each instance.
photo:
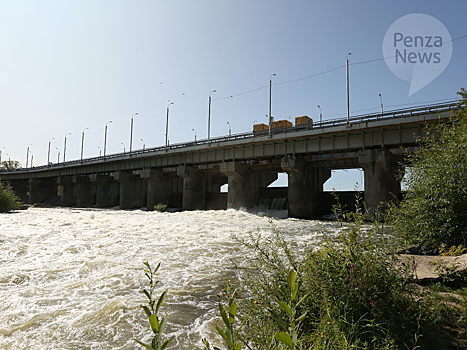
column 417, row 48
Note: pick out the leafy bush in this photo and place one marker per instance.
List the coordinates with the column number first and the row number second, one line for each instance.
column 8, row 199
column 10, row 164
column 267, row 283
column 160, row 207
column 434, row 211
column 359, row 295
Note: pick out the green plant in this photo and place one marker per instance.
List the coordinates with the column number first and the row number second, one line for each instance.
column 361, row 296
column 10, row 164
column 157, row 325
column 160, row 207
column 8, row 200
column 290, row 329
column 228, row 313
column 271, row 259
column 352, row 292
column 453, row 251
column 434, row 211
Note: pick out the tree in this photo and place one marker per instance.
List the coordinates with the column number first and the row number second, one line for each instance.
column 434, row 211
column 10, row 164
column 8, row 199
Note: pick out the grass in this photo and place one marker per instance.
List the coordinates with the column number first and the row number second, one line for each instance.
column 160, row 207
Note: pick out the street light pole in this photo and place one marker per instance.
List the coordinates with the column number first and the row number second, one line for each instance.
column 195, row 134
column 48, row 153
column 381, row 98
column 64, row 147
column 230, row 130
column 58, row 156
column 100, row 151
column 27, row 156
column 348, row 99
column 105, row 137
column 209, row 115
column 123, row 147
column 270, row 92
column 320, row 115
column 131, row 132
column 82, row 144
column 167, row 126
column 143, row 144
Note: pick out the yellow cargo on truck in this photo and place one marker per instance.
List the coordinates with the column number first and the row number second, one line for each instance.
column 303, row 121
column 260, row 127
column 281, row 124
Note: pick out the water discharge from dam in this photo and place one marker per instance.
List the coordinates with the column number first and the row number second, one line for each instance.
column 72, row 278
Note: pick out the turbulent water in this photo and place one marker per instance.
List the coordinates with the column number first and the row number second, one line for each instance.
column 72, row 278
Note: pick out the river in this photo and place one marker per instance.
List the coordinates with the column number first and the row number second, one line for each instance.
column 72, row 278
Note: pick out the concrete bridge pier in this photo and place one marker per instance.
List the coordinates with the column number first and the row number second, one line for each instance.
column 20, row 187
column 194, row 188
column 86, row 191
column 41, row 190
column 132, row 190
column 305, row 182
column 69, row 196
column 380, row 170
column 107, row 190
column 159, row 187
column 244, row 186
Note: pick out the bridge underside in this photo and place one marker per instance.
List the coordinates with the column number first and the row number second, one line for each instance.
column 198, row 188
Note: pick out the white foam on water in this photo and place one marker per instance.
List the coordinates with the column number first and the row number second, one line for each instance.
column 72, row 278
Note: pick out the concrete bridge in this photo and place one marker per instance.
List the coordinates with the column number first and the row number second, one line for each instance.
column 190, row 175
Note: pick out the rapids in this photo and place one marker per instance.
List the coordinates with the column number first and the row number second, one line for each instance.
column 72, row 278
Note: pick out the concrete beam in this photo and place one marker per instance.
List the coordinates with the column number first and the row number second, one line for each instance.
column 194, row 188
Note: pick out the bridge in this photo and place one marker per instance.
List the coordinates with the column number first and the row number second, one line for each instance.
column 189, row 175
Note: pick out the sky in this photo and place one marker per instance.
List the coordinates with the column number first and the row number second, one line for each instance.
column 74, row 66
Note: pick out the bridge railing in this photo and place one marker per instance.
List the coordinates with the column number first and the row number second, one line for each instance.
column 393, row 114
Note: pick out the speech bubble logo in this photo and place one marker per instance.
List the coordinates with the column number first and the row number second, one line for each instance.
column 417, row 48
